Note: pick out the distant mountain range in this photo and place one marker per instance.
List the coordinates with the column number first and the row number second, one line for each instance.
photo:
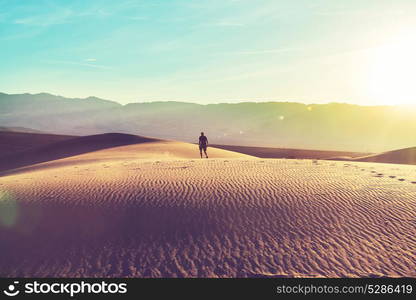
column 19, row 129
column 331, row 126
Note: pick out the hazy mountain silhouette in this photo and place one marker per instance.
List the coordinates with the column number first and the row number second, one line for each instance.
column 275, row 124
column 19, row 129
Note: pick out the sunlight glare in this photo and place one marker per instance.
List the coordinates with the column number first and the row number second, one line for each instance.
column 393, row 73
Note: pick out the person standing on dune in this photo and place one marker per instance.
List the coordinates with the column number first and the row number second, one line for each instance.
column 203, row 144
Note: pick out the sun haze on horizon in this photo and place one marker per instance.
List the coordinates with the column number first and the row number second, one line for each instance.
column 351, row 51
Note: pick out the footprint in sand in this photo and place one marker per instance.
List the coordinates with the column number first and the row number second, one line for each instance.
column 392, row 176
column 414, row 182
column 402, row 179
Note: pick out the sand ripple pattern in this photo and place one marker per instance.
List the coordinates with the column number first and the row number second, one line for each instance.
column 210, row 218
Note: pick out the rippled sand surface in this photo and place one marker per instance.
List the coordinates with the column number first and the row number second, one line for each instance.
column 120, row 216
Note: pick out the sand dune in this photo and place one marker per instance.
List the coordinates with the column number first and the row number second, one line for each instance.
column 150, row 210
column 268, row 152
column 12, row 142
column 401, row 156
column 106, row 148
column 67, row 146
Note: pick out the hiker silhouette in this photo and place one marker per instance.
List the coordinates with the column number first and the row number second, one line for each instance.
column 203, row 144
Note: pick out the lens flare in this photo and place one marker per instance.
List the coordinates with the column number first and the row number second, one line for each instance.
column 9, row 209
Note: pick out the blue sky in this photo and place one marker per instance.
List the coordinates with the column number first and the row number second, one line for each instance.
column 312, row 51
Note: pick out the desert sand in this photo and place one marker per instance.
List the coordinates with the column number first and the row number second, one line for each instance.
column 155, row 209
column 13, row 141
column 270, row 152
column 401, row 156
